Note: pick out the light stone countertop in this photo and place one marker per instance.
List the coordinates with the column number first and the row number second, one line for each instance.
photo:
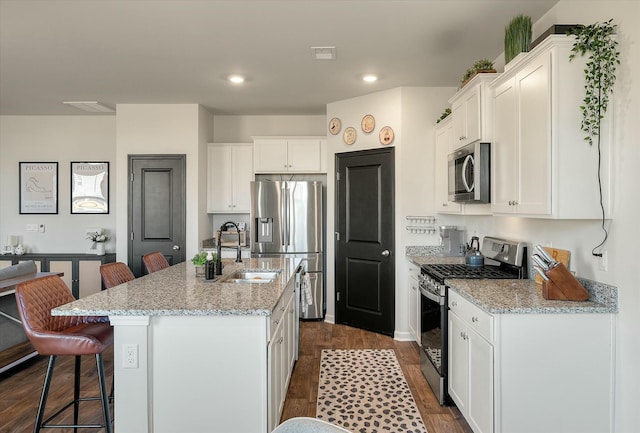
column 176, row 291
column 517, row 296
column 524, row 297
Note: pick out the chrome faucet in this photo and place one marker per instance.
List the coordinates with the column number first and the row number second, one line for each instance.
column 223, row 227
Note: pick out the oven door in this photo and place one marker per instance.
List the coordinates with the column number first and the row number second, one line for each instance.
column 432, row 324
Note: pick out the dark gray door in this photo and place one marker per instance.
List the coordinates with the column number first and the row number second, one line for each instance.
column 365, row 269
column 157, row 208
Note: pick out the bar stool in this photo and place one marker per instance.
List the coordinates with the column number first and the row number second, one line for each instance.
column 154, row 262
column 63, row 335
column 115, row 273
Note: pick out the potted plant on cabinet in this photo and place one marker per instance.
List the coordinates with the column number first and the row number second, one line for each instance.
column 480, row 66
column 517, row 37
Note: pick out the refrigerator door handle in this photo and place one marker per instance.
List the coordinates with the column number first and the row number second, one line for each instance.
column 285, row 216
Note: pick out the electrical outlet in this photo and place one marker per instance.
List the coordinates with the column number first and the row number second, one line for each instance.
column 604, row 265
column 41, row 228
column 130, row 356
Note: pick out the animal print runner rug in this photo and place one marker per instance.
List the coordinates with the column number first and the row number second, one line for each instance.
column 364, row 391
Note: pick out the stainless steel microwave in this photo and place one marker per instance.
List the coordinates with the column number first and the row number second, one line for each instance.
column 470, row 173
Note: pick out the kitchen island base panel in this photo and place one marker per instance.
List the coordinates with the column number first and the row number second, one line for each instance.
column 195, row 374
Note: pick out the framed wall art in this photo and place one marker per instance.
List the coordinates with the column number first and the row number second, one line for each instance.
column 38, row 187
column 89, row 187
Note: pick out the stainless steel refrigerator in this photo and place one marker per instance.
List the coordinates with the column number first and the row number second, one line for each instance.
column 286, row 219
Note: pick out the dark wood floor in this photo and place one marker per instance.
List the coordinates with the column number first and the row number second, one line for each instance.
column 20, row 389
column 315, row 336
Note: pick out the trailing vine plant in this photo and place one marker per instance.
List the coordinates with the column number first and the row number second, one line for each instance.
column 600, row 74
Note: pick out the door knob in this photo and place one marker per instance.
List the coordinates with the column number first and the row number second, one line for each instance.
column 386, row 253
column 176, row 247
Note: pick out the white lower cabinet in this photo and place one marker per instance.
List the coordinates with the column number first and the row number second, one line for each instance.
column 414, row 302
column 471, row 363
column 280, row 354
column 531, row 372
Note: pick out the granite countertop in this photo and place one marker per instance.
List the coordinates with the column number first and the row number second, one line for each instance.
column 176, row 291
column 516, row 296
column 523, row 296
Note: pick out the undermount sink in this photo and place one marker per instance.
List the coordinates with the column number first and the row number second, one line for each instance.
column 244, row 277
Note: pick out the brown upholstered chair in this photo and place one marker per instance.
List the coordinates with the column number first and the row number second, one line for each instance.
column 154, row 262
column 115, row 273
column 63, row 335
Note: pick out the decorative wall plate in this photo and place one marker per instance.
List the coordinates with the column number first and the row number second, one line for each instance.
column 334, row 126
column 386, row 135
column 350, row 135
column 368, row 123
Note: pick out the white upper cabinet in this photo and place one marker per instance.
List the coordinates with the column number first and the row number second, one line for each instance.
column 470, row 111
column 444, row 146
column 541, row 165
column 229, row 174
column 289, row 154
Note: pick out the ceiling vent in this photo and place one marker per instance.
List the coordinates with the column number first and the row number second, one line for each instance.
column 323, row 53
column 91, row 106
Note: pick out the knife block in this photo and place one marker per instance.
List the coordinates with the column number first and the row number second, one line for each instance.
column 562, row 285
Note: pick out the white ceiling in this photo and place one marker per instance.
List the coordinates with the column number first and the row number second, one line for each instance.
column 181, row 51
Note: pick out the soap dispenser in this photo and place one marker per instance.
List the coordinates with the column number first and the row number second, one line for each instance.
column 209, row 267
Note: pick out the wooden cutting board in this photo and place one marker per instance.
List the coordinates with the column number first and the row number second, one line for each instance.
column 558, row 255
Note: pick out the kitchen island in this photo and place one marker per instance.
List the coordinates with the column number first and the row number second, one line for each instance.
column 192, row 355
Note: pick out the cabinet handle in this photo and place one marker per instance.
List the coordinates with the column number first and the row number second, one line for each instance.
column 474, row 319
column 444, row 205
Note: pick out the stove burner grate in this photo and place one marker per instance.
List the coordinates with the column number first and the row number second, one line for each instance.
column 443, row 271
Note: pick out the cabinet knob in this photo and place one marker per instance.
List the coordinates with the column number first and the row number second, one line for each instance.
column 285, row 166
column 454, row 303
column 474, row 319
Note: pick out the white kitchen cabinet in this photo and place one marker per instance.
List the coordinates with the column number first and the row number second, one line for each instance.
column 414, row 302
column 229, row 174
column 471, row 112
column 471, row 362
column 541, row 166
column 280, row 354
column 289, row 154
column 531, row 372
column 445, row 144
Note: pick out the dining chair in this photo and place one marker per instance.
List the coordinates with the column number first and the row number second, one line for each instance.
column 154, row 262
column 63, row 336
column 115, row 273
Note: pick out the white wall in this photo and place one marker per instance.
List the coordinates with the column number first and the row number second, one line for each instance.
column 59, row 139
column 240, row 129
column 412, row 113
column 164, row 129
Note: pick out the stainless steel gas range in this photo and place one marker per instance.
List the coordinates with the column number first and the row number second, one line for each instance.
column 509, row 261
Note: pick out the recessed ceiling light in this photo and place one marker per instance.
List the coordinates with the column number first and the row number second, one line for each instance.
column 236, row 79
column 91, row 106
column 370, row 78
